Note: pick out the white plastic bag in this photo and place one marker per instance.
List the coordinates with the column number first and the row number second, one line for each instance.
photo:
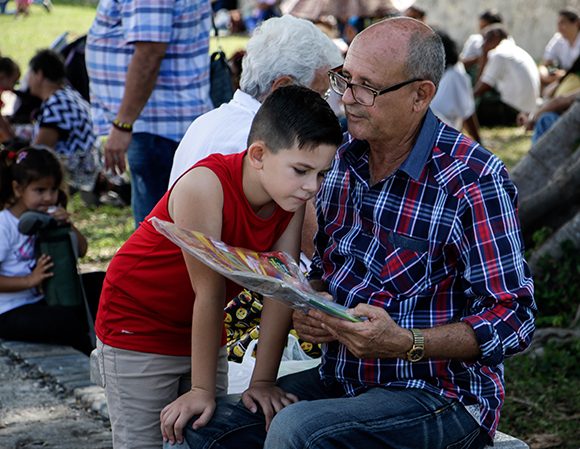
column 294, row 359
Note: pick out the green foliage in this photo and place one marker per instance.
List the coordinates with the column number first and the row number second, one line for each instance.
column 543, row 393
column 558, row 288
column 106, row 229
column 541, row 235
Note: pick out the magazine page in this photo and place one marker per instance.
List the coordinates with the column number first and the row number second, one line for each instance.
column 273, row 274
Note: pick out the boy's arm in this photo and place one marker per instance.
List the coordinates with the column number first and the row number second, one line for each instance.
column 274, row 326
column 196, row 203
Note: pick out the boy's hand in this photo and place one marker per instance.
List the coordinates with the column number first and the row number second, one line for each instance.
column 269, row 397
column 175, row 416
column 41, row 271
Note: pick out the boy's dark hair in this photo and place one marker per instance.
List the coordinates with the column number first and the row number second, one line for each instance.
column 295, row 115
column 50, row 64
column 491, row 16
column 25, row 166
column 8, row 67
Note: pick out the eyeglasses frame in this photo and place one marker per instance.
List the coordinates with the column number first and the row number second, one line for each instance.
column 376, row 92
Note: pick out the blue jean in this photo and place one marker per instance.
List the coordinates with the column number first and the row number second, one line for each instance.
column 150, row 159
column 326, row 419
column 543, row 124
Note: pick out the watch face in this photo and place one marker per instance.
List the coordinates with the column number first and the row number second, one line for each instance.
column 415, row 354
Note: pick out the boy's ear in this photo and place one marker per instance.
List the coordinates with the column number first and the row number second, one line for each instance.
column 256, row 153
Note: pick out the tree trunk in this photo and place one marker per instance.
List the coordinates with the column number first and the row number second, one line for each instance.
column 562, row 188
column 552, row 246
column 549, row 153
column 548, row 178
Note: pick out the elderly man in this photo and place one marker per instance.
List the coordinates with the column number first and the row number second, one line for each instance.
column 418, row 234
column 282, row 51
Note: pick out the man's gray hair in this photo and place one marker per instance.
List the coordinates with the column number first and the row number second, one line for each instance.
column 285, row 46
column 426, row 58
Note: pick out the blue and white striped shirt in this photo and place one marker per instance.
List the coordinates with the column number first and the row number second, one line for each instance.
column 181, row 92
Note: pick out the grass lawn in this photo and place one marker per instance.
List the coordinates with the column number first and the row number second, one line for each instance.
column 543, row 392
column 23, row 36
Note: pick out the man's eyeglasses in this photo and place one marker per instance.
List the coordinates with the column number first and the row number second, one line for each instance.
column 363, row 95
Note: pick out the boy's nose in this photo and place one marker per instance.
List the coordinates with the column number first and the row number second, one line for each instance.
column 311, row 185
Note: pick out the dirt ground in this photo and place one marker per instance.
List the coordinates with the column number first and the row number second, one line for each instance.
column 35, row 414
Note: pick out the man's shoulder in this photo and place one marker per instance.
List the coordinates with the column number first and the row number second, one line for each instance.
column 458, row 161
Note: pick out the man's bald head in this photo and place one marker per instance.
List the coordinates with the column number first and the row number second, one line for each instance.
column 406, row 42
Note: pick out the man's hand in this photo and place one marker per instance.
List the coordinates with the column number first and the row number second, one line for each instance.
column 309, row 328
column 376, row 337
column 116, row 147
column 175, row 416
column 268, row 397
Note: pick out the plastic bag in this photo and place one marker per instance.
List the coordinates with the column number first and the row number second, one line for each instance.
column 294, row 359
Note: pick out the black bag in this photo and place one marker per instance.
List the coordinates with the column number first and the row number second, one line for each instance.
column 221, row 87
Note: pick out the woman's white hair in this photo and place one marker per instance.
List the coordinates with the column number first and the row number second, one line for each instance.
column 285, row 46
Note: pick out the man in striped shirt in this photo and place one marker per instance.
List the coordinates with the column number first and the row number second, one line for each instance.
column 419, row 235
column 148, row 66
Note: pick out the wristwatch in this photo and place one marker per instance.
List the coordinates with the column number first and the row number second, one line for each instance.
column 417, row 351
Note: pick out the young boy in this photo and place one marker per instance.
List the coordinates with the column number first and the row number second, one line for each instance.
column 161, row 312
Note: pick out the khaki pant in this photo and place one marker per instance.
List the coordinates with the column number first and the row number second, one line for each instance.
column 137, row 387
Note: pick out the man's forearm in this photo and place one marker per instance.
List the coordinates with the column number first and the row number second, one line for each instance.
column 451, row 341
column 141, row 79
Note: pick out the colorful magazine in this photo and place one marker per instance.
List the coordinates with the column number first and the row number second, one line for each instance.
column 273, row 274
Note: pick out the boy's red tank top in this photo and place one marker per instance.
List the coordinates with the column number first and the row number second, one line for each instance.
column 147, row 299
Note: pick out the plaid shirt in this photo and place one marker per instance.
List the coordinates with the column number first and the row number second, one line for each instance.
column 182, row 89
column 436, row 242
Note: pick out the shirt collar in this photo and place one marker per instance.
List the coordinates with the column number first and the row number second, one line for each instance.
column 423, row 147
column 246, row 101
column 356, row 149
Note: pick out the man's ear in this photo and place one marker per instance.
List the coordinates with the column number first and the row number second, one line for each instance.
column 281, row 81
column 423, row 95
column 256, row 152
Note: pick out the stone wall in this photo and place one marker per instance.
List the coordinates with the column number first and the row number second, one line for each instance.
column 531, row 22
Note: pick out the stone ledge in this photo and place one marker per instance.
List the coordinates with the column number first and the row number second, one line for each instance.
column 65, row 366
column 69, row 368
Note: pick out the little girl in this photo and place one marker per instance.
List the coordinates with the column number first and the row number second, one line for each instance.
column 30, row 179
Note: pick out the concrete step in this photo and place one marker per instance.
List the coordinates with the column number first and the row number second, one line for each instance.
column 70, row 369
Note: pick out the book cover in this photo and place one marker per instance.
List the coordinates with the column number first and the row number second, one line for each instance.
column 274, row 274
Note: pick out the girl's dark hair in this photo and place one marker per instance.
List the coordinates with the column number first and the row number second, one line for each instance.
column 295, row 115
column 25, row 166
column 8, row 67
column 50, row 64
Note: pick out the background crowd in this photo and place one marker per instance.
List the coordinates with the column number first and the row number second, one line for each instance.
column 149, row 112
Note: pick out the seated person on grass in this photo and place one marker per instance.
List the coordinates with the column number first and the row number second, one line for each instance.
column 160, row 318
